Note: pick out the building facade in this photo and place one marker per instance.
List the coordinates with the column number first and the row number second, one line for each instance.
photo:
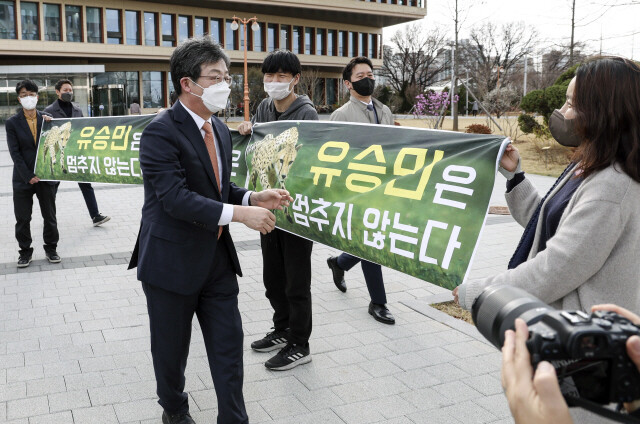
column 117, row 51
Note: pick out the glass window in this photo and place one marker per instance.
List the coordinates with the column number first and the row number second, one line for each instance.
column 331, row 91
column 353, row 45
column 7, row 20
column 132, row 87
column 168, row 30
column 343, row 42
column 52, row 22
column 30, row 21
column 258, row 38
column 362, row 44
column 184, row 28
column 150, row 29
column 230, row 36
column 272, row 31
column 308, row 36
column 114, row 27
column 372, row 46
column 73, row 23
column 332, row 35
column 285, row 35
column 298, row 39
column 132, row 19
column 152, row 90
column 216, row 27
column 320, row 34
column 200, row 27
column 94, row 24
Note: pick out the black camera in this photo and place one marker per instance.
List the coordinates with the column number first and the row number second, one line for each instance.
column 588, row 351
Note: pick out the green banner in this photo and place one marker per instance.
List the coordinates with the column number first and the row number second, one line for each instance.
column 414, row 200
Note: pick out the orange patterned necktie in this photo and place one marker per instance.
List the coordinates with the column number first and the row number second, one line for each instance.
column 211, row 148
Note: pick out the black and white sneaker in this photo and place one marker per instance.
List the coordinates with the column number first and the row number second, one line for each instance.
column 99, row 219
column 272, row 341
column 289, row 357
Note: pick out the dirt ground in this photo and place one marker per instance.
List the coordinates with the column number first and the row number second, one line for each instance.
column 450, row 308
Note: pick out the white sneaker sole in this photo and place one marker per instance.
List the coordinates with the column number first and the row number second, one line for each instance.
column 270, row 348
column 294, row 364
column 54, row 261
column 99, row 223
column 24, row 265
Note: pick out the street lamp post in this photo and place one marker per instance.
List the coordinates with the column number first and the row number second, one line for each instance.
column 254, row 27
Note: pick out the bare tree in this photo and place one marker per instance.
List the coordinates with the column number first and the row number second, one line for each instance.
column 493, row 52
column 412, row 59
column 309, row 80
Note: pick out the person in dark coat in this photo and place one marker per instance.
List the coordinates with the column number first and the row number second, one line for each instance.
column 63, row 108
column 23, row 135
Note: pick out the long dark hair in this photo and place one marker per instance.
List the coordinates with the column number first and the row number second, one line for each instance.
column 607, row 105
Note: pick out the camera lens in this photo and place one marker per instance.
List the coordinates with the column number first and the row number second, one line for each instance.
column 497, row 308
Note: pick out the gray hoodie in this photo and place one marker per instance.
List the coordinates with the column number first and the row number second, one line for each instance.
column 300, row 110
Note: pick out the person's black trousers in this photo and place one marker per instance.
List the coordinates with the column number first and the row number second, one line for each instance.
column 170, row 319
column 287, row 279
column 23, row 209
column 89, row 198
column 372, row 275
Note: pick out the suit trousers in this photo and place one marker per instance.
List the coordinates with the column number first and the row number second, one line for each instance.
column 372, row 276
column 287, row 280
column 170, row 320
column 23, row 209
column 89, row 198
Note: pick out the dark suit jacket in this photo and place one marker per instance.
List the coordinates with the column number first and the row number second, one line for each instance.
column 56, row 111
column 182, row 204
column 22, row 148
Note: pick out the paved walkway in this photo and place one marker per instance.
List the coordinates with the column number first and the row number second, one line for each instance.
column 74, row 337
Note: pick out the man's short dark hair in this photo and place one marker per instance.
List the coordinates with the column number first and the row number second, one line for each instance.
column 187, row 59
column 28, row 84
column 62, row 82
column 348, row 70
column 281, row 61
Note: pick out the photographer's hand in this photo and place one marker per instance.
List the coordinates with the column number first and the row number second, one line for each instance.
column 532, row 398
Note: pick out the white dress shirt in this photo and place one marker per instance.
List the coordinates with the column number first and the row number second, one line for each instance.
column 227, row 209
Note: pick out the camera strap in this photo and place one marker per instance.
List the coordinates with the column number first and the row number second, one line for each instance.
column 602, row 411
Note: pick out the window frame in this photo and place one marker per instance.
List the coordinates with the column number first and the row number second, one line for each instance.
column 15, row 21
column 66, row 29
column 60, row 21
column 173, row 37
column 138, row 23
column 101, row 15
column 119, row 34
column 38, row 23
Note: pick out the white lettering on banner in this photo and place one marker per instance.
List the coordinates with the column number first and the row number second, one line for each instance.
column 302, row 216
column 441, row 188
column 135, row 143
column 451, row 245
column 338, row 224
column 402, row 238
column 235, row 160
column 378, row 237
column 121, row 167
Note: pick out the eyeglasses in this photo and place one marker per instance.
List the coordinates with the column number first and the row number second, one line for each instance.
column 215, row 79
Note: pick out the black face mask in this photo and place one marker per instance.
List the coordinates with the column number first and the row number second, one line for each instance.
column 563, row 130
column 365, row 86
column 66, row 97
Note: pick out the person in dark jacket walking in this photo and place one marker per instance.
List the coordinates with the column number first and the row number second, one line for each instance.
column 63, row 108
column 23, row 134
column 286, row 257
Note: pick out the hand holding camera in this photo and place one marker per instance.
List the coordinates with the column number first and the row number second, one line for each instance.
column 590, row 360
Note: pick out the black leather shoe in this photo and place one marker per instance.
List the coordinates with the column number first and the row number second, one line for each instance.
column 184, row 418
column 53, row 257
column 338, row 274
column 381, row 313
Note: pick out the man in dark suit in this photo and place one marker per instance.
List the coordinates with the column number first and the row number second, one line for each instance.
column 23, row 135
column 63, row 108
column 185, row 256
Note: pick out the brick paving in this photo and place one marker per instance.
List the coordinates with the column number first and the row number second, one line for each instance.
column 74, row 336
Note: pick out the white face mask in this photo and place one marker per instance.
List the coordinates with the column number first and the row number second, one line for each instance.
column 215, row 96
column 278, row 90
column 29, row 102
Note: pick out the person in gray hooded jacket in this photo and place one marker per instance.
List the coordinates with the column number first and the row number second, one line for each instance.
column 286, row 257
